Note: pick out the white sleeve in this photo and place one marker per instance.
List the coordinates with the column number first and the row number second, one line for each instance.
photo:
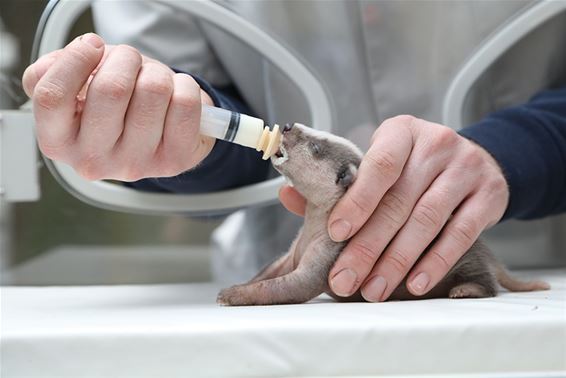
column 161, row 32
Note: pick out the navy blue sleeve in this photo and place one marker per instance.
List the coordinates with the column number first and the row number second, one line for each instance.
column 529, row 142
column 227, row 166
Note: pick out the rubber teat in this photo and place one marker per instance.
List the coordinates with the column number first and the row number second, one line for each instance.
column 269, row 141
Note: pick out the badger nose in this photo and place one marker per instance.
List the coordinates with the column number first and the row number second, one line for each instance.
column 287, row 128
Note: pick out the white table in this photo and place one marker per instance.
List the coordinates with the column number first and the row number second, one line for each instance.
column 176, row 330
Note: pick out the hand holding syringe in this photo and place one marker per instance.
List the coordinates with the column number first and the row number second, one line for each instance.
column 116, row 114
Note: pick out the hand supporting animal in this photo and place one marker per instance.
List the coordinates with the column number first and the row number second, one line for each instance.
column 322, row 166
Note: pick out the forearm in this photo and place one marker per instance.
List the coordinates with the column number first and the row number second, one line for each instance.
column 529, row 142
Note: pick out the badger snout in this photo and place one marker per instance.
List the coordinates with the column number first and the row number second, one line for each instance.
column 281, row 155
column 287, row 128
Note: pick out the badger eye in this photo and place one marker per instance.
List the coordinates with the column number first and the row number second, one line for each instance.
column 315, row 148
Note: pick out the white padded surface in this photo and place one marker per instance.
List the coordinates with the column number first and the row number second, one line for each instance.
column 178, row 331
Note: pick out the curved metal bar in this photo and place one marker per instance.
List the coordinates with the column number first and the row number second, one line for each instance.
column 52, row 33
column 41, row 29
column 489, row 52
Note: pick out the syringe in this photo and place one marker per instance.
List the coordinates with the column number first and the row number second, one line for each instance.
column 239, row 128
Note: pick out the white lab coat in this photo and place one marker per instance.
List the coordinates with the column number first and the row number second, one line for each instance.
column 376, row 59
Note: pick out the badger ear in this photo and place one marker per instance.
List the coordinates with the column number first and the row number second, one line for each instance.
column 346, row 175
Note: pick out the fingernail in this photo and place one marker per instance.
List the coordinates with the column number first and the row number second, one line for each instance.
column 343, row 282
column 93, row 40
column 374, row 289
column 340, row 230
column 420, row 283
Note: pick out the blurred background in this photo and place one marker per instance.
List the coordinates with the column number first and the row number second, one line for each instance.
column 61, row 240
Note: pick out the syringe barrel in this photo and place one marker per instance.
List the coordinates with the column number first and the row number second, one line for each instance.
column 214, row 121
column 231, row 126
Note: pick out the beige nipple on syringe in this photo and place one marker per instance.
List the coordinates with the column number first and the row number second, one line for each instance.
column 269, row 141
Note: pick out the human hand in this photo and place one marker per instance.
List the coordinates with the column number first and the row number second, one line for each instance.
column 112, row 113
column 421, row 189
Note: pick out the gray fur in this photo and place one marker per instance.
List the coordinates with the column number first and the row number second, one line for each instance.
column 322, row 166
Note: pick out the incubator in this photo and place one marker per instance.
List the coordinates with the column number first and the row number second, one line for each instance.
column 118, row 324
column 52, row 31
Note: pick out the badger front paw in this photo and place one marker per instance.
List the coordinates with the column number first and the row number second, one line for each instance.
column 223, row 297
column 470, row 290
column 231, row 296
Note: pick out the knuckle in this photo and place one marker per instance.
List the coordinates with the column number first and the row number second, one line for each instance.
column 398, row 261
column 403, row 119
column 50, row 151
column 132, row 52
column 427, row 215
column 90, row 168
column 55, row 151
column 472, row 159
column 79, row 54
column 382, row 162
column 497, row 186
column 155, row 83
column 393, row 208
column 114, row 88
column 363, row 251
column 446, row 136
column 132, row 173
column 404, row 124
column 361, row 203
column 186, row 80
column 442, row 139
column 49, row 95
column 465, row 233
column 184, row 100
column 440, row 260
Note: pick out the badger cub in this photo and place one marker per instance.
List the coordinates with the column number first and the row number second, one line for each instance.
column 322, row 166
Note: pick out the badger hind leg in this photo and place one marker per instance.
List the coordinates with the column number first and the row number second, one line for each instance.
column 277, row 268
column 473, row 276
column 471, row 290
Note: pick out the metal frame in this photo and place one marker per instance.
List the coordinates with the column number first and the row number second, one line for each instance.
column 60, row 15
column 19, row 181
column 501, row 41
column 52, row 34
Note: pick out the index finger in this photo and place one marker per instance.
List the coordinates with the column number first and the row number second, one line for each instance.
column 35, row 71
column 292, row 200
column 55, row 94
column 380, row 168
